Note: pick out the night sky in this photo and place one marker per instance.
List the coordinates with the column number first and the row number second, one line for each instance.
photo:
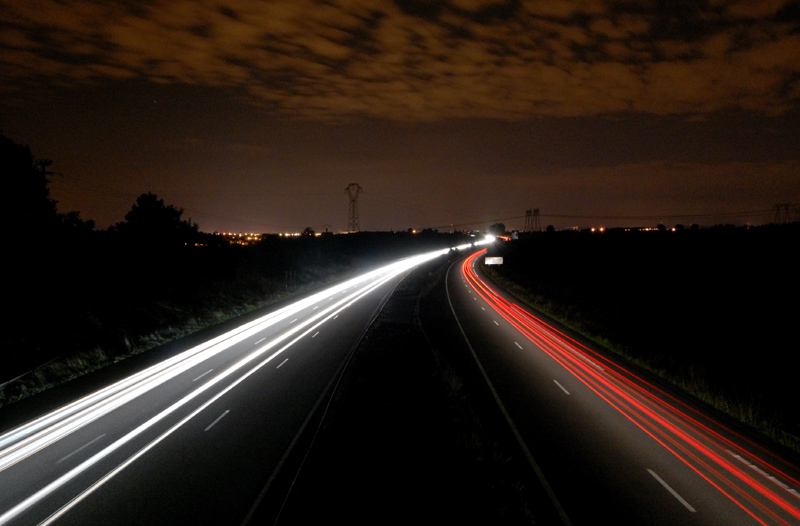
column 255, row 116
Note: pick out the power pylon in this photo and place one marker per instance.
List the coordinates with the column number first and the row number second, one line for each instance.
column 532, row 221
column 783, row 213
column 353, row 190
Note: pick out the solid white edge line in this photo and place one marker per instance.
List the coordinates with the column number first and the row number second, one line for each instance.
column 29, row 438
column 521, row 441
column 672, row 491
column 322, row 317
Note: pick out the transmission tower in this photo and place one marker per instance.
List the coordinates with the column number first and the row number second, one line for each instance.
column 352, row 191
column 532, row 221
column 783, row 213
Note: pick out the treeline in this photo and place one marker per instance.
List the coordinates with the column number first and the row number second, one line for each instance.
column 714, row 310
column 73, row 288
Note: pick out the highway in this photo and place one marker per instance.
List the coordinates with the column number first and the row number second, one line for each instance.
column 611, row 446
column 200, row 437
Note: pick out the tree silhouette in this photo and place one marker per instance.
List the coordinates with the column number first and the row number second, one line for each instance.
column 150, row 221
column 27, row 208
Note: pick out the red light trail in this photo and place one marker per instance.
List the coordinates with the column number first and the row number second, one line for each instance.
column 741, row 470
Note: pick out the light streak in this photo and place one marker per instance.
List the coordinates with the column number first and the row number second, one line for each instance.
column 709, row 449
column 24, row 441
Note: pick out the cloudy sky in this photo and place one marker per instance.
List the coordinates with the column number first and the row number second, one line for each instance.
column 256, row 115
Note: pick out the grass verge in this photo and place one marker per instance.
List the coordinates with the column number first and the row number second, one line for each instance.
column 689, row 381
column 183, row 323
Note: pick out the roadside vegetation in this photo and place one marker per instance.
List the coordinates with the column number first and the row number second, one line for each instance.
column 711, row 311
column 80, row 298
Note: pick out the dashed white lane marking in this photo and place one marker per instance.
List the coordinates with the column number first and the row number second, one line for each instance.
column 315, row 334
column 495, row 322
column 80, row 449
column 561, row 386
column 518, row 345
column 294, row 320
column 202, row 375
column 283, row 362
column 567, row 346
column 763, row 473
column 212, row 424
column 259, row 341
column 483, row 308
column 674, row 493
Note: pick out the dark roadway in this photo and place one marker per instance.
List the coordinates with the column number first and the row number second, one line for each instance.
column 612, row 448
column 195, row 439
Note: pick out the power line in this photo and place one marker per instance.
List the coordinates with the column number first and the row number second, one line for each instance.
column 765, row 213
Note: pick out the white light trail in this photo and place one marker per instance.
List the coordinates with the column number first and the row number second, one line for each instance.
column 25, row 440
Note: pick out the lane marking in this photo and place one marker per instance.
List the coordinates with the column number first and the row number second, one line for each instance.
column 763, row 473
column 212, row 424
column 561, row 386
column 674, row 493
column 518, row 345
column 495, row 322
column 202, row 375
column 517, row 435
column 259, row 341
column 483, row 308
column 315, row 307
column 315, row 334
column 566, row 345
column 389, row 272
column 294, row 320
column 283, row 362
column 80, row 448
column 335, row 316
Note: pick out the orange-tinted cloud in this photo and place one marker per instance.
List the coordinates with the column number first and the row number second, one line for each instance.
column 415, row 60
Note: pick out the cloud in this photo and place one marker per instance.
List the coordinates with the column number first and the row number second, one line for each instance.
column 415, row 60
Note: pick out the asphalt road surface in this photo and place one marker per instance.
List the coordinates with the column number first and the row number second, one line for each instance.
column 611, row 446
column 200, row 437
